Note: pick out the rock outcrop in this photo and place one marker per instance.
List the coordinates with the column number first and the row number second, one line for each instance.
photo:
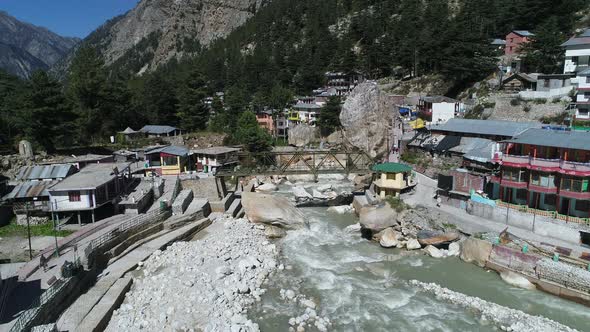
column 301, row 135
column 377, row 218
column 476, row 251
column 366, row 118
column 272, row 210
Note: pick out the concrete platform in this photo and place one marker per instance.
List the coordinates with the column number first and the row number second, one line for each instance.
column 98, row 318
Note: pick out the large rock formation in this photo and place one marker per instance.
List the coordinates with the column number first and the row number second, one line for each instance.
column 25, row 48
column 475, row 250
column 376, row 218
column 272, row 210
column 367, row 117
column 301, row 135
column 157, row 31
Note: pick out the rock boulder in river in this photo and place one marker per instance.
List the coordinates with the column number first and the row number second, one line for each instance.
column 302, row 134
column 272, row 210
column 476, row 250
column 389, row 238
column 377, row 218
column 267, row 187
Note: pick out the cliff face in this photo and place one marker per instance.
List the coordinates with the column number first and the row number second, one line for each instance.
column 25, row 47
column 156, row 31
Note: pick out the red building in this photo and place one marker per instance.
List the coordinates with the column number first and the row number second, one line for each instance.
column 265, row 120
column 547, row 170
column 514, row 41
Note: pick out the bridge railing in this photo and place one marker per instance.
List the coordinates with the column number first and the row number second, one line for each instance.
column 300, row 162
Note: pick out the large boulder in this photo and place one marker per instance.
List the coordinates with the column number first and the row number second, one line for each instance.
column 377, row 218
column 367, row 118
column 272, row 210
column 476, row 251
column 413, row 244
column 301, row 135
column 436, row 239
column 517, row 280
column 434, row 252
column 301, row 194
column 267, row 187
column 389, row 238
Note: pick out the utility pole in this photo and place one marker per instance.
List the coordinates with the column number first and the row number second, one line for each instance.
column 29, row 230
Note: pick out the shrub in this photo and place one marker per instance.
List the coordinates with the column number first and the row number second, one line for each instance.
column 396, row 203
column 515, row 102
column 556, row 100
column 540, row 101
column 526, row 108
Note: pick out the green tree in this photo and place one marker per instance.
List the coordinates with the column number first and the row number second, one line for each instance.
column 158, row 100
column 218, row 122
column 544, row 53
column 329, row 120
column 193, row 113
column 249, row 133
column 49, row 120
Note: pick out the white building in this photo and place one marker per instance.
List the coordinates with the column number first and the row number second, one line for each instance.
column 211, row 159
column 441, row 108
column 95, row 186
column 577, row 61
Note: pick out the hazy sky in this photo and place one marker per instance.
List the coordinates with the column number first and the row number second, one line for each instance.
column 71, row 18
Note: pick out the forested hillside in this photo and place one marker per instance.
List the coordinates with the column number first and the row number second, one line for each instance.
column 282, row 51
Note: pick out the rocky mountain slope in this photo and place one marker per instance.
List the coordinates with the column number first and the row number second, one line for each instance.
column 156, row 31
column 25, row 47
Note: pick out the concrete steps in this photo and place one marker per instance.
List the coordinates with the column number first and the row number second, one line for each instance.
column 182, row 201
column 235, row 207
column 98, row 318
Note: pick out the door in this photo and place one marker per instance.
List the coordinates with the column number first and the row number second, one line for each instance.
column 91, row 198
column 565, row 206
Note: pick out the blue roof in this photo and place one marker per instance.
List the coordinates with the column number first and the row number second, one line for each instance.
column 44, row 172
column 524, row 33
column 484, row 127
column 157, row 130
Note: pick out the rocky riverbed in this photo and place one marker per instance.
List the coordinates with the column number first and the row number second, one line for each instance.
column 206, row 284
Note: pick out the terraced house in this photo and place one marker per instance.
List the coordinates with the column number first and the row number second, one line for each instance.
column 546, row 170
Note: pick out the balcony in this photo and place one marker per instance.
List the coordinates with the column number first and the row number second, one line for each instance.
column 514, row 184
column 545, row 164
column 575, row 168
column 514, row 160
column 542, row 189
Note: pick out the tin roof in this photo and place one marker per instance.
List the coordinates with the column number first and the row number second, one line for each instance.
column 392, row 168
column 581, row 39
column 524, row 33
column 307, row 106
column 31, row 189
column 485, row 127
column 554, row 138
column 91, row 177
column 216, row 150
column 157, row 129
column 439, row 99
column 172, row 150
column 44, row 172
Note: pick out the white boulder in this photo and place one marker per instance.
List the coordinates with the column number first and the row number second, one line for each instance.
column 301, row 194
column 389, row 238
column 434, row 252
column 318, row 195
column 267, row 187
column 342, row 209
column 413, row 244
column 454, row 249
column 515, row 279
column 272, row 210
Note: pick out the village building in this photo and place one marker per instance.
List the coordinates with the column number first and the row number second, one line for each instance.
column 498, row 45
column 547, row 170
column 577, row 62
column 305, row 112
column 83, row 160
column 160, row 131
column 518, row 82
column 440, row 109
column 266, row 121
column 129, row 134
column 210, row 160
column 515, row 41
column 342, row 83
column 88, row 193
column 392, row 179
column 167, row 160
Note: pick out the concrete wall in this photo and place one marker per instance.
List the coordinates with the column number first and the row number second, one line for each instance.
column 541, row 225
column 61, row 200
column 443, row 112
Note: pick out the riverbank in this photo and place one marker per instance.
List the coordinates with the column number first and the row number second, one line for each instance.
column 205, row 284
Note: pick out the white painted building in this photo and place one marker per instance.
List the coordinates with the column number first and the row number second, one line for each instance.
column 577, row 61
column 93, row 187
column 211, row 159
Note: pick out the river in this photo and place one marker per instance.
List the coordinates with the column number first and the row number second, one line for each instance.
column 360, row 286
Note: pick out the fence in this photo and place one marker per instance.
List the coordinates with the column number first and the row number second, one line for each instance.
column 25, row 321
column 550, row 214
column 136, row 224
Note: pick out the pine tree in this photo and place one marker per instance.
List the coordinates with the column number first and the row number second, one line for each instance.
column 158, row 100
column 192, row 111
column 249, row 133
column 329, row 120
column 544, row 53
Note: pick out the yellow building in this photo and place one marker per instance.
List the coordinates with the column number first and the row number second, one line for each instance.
column 392, row 179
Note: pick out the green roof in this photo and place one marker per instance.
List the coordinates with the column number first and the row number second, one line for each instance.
column 392, row 168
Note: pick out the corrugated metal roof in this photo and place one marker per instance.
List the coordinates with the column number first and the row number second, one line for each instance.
column 90, row 177
column 577, row 41
column 307, row 106
column 172, row 150
column 585, row 72
column 157, row 130
column 554, row 138
column 216, row 150
column 31, row 189
column 524, row 33
column 498, row 41
column 485, row 127
column 42, row 172
column 439, row 99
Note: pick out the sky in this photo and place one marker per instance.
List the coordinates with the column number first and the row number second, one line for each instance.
column 69, row 18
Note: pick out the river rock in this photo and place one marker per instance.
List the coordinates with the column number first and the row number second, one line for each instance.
column 301, row 194
column 267, row 187
column 433, row 238
column 454, row 249
column 273, row 232
column 515, row 279
column 355, row 228
column 318, row 195
column 342, row 209
column 324, row 187
column 388, row 238
column 366, row 119
column 413, row 244
column 273, row 210
column 377, row 218
column 301, row 178
column 476, row 251
column 434, row 252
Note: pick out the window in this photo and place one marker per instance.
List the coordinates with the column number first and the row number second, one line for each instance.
column 587, row 79
column 586, row 95
column 170, row 161
column 391, row 176
column 582, row 205
column 74, row 196
column 575, row 59
column 513, row 174
column 545, row 83
column 521, row 194
column 535, row 179
column 574, row 184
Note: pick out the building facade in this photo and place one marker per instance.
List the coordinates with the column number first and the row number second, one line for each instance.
column 546, row 170
column 392, row 179
column 577, row 62
column 211, row 159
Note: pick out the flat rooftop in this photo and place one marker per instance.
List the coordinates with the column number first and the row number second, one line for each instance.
column 217, row 150
column 484, row 127
column 577, row 140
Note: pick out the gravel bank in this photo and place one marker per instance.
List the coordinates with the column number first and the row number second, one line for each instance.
column 206, row 284
column 507, row 319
